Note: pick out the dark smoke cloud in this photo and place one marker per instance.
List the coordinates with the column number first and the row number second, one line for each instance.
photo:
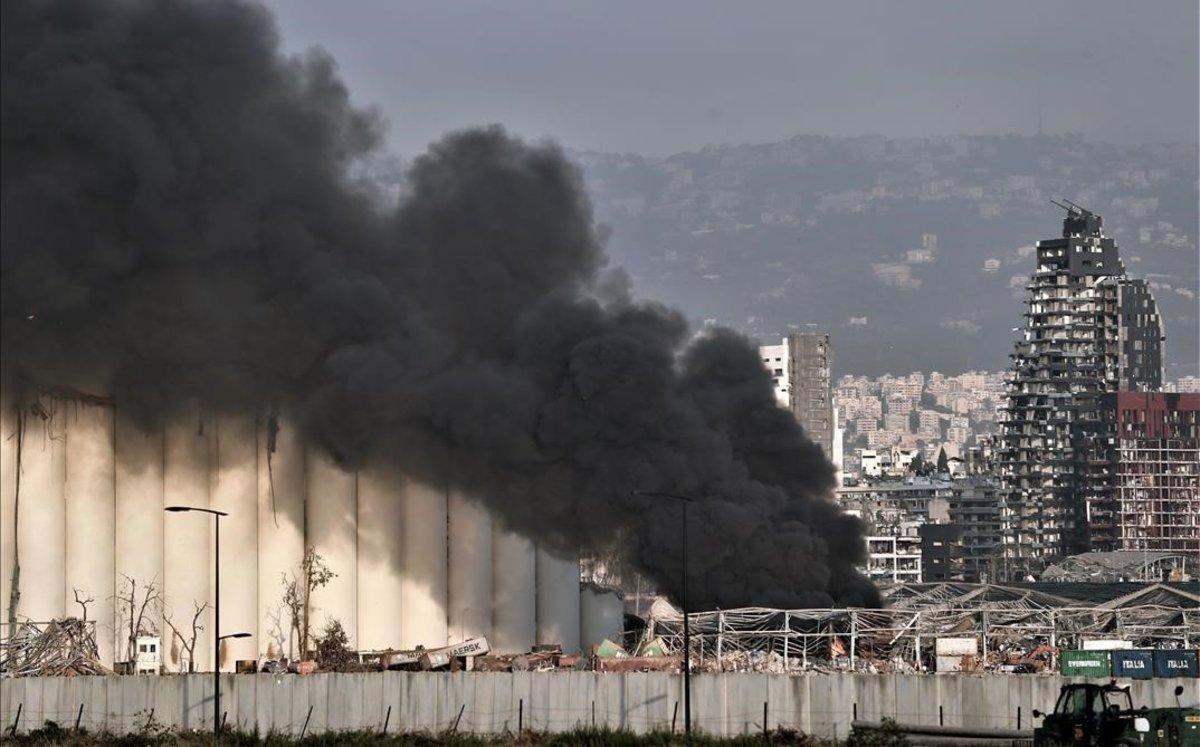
column 183, row 222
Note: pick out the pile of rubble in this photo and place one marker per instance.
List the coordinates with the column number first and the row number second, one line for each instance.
column 651, row 655
column 476, row 655
column 540, row 659
column 59, row 648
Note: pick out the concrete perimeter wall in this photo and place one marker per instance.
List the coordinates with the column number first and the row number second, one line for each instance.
column 821, row 704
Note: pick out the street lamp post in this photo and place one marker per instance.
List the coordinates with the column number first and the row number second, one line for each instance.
column 687, row 637
column 217, row 637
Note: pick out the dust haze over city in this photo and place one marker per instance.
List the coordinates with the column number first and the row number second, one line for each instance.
column 846, row 340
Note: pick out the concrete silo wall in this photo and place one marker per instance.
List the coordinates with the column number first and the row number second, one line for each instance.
column 331, row 528
column 514, row 592
column 380, row 572
column 558, row 600
column 139, row 525
column 91, row 518
column 8, row 497
column 281, row 488
column 187, row 557
column 41, row 512
column 415, row 564
column 235, row 491
column 470, row 584
column 423, row 549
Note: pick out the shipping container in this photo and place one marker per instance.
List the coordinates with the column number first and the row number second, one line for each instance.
column 1086, row 663
column 1175, row 663
column 1133, row 664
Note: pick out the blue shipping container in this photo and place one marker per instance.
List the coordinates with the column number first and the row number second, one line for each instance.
column 1131, row 664
column 1175, row 664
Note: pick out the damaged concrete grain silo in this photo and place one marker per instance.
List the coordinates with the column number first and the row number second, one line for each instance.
column 384, row 536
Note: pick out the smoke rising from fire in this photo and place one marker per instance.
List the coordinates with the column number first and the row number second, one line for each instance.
column 185, row 220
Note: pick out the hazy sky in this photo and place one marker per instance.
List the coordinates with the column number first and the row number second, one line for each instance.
column 660, row 77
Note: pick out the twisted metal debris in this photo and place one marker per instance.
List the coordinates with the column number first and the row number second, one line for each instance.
column 1012, row 626
column 57, row 648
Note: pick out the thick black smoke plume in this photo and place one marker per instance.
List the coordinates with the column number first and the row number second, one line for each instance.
column 184, row 221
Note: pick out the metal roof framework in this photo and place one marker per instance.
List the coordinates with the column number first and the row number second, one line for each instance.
column 1118, row 565
column 1008, row 623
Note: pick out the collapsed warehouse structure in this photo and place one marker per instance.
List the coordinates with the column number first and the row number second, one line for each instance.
column 1016, row 629
column 83, row 534
column 1119, row 566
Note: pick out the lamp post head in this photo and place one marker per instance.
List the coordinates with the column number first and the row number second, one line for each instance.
column 179, row 509
column 235, row 635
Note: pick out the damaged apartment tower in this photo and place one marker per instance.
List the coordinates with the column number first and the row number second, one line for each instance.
column 1089, row 331
column 1144, row 469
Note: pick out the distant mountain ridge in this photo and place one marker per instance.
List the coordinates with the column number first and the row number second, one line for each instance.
column 913, row 253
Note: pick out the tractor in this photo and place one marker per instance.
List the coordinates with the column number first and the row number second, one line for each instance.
column 1102, row 715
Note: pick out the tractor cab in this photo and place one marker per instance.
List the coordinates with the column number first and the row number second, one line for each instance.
column 1083, row 700
column 1090, row 714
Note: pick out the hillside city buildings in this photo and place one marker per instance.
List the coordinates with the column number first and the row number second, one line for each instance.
column 895, row 416
column 919, row 244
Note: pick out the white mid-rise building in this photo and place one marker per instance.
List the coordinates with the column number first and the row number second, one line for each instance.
column 868, row 460
column 801, row 368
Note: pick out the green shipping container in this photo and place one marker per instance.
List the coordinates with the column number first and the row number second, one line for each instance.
column 1086, row 663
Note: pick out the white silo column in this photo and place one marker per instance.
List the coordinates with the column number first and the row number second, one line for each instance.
column 470, row 585
column 281, row 486
column 235, row 491
column 558, row 600
column 139, row 526
column 331, row 530
column 91, row 518
column 514, row 584
column 187, row 539
column 601, row 615
column 41, row 512
column 8, row 498
column 425, row 566
column 380, row 561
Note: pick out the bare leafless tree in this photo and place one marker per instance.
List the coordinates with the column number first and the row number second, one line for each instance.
column 133, row 605
column 188, row 643
column 278, row 639
column 83, row 603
